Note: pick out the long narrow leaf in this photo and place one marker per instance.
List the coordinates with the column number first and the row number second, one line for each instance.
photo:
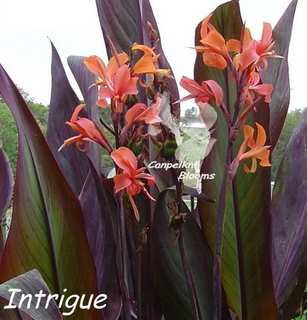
column 74, row 164
column 289, row 227
column 85, row 80
column 47, row 231
column 98, row 208
column 246, row 271
column 30, row 283
column 171, row 284
column 277, row 73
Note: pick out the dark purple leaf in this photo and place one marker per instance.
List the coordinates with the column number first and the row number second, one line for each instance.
column 47, row 230
column 73, row 163
column 98, row 209
column 6, row 183
column 30, row 283
column 289, row 224
column 277, row 73
column 120, row 20
column 171, row 287
column 85, row 81
column 149, row 40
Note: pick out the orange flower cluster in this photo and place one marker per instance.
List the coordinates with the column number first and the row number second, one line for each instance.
column 244, row 59
column 116, row 81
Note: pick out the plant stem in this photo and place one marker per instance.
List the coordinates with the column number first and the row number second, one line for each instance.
column 107, row 126
column 123, row 254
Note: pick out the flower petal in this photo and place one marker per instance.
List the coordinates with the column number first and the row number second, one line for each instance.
column 125, row 159
column 116, row 62
column 133, row 113
column 216, row 91
column 144, row 65
column 121, row 181
column 75, row 115
column 233, row 45
column 96, row 66
column 261, row 135
column 214, row 60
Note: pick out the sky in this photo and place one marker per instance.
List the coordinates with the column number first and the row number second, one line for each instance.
column 74, row 28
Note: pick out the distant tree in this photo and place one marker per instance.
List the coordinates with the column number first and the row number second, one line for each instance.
column 191, row 113
column 8, row 130
column 292, row 120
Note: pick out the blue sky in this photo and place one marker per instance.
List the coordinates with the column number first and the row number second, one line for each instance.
column 74, row 27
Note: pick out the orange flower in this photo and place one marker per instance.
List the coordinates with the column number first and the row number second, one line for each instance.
column 115, row 81
column 141, row 113
column 88, row 131
column 208, row 91
column 131, row 178
column 258, row 150
column 213, row 46
column 149, row 62
column 255, row 88
column 256, row 53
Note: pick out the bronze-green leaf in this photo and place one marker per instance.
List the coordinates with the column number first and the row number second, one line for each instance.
column 246, row 271
column 47, row 231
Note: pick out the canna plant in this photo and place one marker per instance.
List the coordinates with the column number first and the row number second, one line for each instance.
column 80, row 228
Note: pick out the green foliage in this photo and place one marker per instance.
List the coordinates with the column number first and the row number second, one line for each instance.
column 292, row 121
column 8, row 130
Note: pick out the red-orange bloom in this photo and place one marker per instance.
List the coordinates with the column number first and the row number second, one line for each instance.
column 141, row 113
column 256, row 88
column 208, row 91
column 88, row 132
column 131, row 179
column 257, row 52
column 258, row 150
column 115, row 81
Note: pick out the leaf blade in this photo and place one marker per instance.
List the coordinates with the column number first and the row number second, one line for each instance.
column 240, row 251
column 73, row 163
column 289, row 214
column 46, row 214
column 30, row 283
column 277, row 73
column 175, row 300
